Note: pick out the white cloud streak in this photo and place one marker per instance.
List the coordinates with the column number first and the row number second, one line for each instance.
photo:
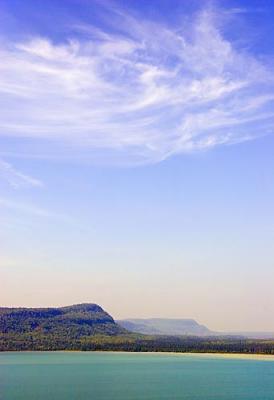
column 28, row 209
column 33, row 210
column 144, row 94
column 15, row 178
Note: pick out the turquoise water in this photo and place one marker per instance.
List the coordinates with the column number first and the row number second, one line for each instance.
column 113, row 376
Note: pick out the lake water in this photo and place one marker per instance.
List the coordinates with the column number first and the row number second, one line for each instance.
column 120, row 376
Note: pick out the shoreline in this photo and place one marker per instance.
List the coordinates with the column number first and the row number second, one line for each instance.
column 262, row 357
column 235, row 356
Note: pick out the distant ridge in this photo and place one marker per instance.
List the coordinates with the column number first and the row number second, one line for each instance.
column 190, row 327
column 165, row 326
column 252, row 335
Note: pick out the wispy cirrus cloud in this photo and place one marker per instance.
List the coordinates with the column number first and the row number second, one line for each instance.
column 25, row 208
column 16, row 178
column 30, row 209
column 139, row 94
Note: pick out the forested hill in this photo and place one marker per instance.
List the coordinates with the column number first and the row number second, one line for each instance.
column 71, row 321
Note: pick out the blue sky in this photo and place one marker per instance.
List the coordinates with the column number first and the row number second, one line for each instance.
column 136, row 158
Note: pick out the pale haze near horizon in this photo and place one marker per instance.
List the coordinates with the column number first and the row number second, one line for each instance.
column 136, row 159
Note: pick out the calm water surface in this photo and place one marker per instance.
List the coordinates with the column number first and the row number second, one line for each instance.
column 110, row 376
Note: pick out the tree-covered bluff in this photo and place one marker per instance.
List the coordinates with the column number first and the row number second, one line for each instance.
column 71, row 321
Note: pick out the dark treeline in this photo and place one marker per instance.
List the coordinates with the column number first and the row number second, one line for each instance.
column 135, row 343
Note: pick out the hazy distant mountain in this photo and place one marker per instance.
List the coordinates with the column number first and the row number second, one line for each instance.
column 165, row 326
column 252, row 335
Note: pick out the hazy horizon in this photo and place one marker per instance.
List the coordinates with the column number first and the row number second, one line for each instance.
column 136, row 158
